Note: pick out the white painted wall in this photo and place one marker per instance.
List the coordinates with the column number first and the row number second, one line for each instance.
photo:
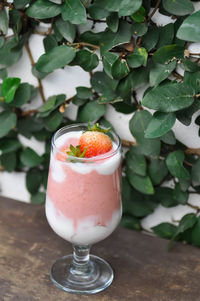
column 65, row 81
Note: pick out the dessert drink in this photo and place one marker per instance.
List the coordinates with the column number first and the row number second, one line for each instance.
column 83, row 203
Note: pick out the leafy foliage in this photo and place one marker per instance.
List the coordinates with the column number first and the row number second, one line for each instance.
column 131, row 52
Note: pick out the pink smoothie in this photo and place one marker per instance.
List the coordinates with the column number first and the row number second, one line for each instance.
column 82, row 195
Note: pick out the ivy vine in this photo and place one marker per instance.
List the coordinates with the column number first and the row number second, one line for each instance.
column 134, row 52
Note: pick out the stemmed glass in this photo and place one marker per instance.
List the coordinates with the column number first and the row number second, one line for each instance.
column 83, row 206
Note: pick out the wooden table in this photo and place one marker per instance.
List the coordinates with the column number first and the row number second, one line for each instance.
column 144, row 269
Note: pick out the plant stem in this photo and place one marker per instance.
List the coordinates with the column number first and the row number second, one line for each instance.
column 140, row 108
column 192, row 151
column 27, row 113
column 83, row 44
column 40, row 87
column 128, row 143
column 154, row 10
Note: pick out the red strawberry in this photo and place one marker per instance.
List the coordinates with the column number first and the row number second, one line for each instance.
column 95, row 141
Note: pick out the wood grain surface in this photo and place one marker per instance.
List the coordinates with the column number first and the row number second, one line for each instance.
column 144, row 269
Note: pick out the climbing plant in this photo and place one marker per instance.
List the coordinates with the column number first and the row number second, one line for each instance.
column 134, row 52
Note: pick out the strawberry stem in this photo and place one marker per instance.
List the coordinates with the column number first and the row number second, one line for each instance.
column 76, row 151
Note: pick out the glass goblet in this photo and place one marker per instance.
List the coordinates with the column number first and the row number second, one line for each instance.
column 83, row 206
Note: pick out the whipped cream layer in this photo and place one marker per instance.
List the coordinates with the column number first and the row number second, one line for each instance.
column 106, row 166
column 87, row 231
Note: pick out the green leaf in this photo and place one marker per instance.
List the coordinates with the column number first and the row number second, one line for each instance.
column 169, row 138
column 120, row 68
column 10, row 52
column 66, row 29
column 108, row 60
column 124, row 108
column 189, row 66
column 53, row 121
column 19, row 4
column 8, row 121
column 124, row 89
column 136, row 162
column 91, row 37
column 83, row 92
column 195, row 237
column 157, row 170
column 169, row 97
column 139, row 29
column 33, row 180
column 49, row 42
column 139, row 78
column 150, row 39
column 48, row 105
column 159, row 72
column 113, row 22
column 30, row 158
column 190, row 28
column 9, row 161
column 187, row 222
column 164, row 230
column 193, row 80
column 43, row 9
column 164, row 195
column 184, row 184
column 22, row 95
column 137, row 126
column 29, row 125
column 180, row 196
column 56, row 1
column 8, row 145
column 196, row 173
column 179, row 8
column 185, row 115
column 57, row 57
column 169, row 53
column 3, row 73
column 128, row 7
column 160, row 124
column 74, row 12
column 174, row 163
column 130, row 222
column 91, row 111
column 87, row 60
column 139, row 16
column 3, row 21
column 124, row 7
column 2, row 40
column 9, row 87
column 140, row 183
column 166, row 35
column 134, row 203
column 38, row 198
column 138, row 58
column 104, row 85
column 110, row 39
column 97, row 12
column 15, row 21
column 51, row 104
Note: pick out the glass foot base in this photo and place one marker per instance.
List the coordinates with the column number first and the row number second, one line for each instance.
column 99, row 276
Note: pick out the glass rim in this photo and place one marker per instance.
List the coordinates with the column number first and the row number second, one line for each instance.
column 91, row 159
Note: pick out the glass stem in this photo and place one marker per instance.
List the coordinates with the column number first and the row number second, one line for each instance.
column 81, row 265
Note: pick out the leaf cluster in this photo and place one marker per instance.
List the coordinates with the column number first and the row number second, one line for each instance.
column 131, row 52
